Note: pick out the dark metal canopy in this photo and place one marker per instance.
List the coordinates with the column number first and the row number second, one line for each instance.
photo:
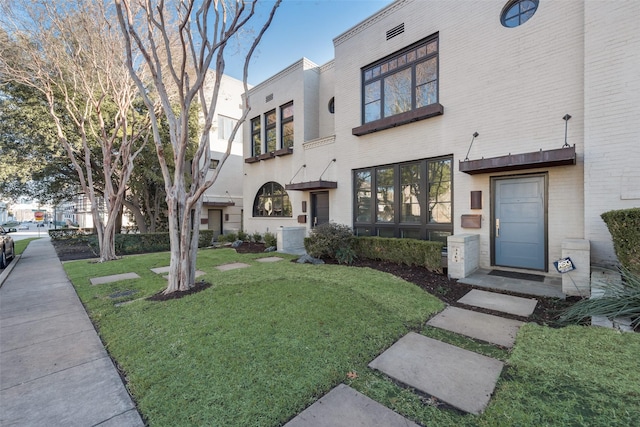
column 312, row 185
column 512, row 162
column 218, row 204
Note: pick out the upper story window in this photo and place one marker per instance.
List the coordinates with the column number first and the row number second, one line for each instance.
column 517, row 12
column 256, row 136
column 270, row 130
column 286, row 125
column 272, row 200
column 402, row 82
column 213, row 163
column 225, row 127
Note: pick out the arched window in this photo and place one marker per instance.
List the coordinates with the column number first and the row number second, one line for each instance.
column 272, row 200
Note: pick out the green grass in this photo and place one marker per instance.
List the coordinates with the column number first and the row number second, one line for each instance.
column 264, row 342
column 21, row 245
column 254, row 349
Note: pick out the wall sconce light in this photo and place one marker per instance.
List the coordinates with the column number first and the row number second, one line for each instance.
column 226, row 217
column 476, row 200
column 304, row 206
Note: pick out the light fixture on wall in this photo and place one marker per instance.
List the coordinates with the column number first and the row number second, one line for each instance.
column 475, row 135
column 566, row 123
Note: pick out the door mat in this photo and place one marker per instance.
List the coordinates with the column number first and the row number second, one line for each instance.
column 515, row 275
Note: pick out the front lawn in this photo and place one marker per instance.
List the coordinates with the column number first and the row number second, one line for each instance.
column 264, row 342
column 257, row 347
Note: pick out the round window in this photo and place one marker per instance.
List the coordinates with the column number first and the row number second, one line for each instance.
column 332, row 105
column 517, row 12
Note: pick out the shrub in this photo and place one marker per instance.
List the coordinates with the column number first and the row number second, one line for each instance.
column 270, row 239
column 331, row 240
column 256, row 237
column 424, row 253
column 624, row 226
column 620, row 300
column 231, row 237
column 243, row 236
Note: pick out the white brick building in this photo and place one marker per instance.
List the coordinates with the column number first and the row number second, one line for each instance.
column 222, row 202
column 413, row 83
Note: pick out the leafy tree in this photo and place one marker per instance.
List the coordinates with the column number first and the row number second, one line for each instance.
column 71, row 55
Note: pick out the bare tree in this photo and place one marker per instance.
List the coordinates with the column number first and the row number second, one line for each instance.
column 72, row 55
column 179, row 40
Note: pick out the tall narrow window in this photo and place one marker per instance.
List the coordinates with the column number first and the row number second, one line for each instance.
column 270, row 130
column 286, row 125
column 256, row 139
column 410, row 193
column 363, row 196
column 440, row 191
column 385, row 196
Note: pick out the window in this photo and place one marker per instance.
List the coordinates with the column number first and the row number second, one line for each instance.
column 332, row 105
column 402, row 82
column 256, row 138
column 225, row 127
column 412, row 200
column 213, row 163
column 272, row 200
column 270, row 130
column 286, row 125
column 517, row 12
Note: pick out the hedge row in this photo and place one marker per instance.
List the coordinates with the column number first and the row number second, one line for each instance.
column 624, row 226
column 424, row 253
column 69, row 233
column 127, row 244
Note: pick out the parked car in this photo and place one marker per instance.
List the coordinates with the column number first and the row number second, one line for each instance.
column 7, row 246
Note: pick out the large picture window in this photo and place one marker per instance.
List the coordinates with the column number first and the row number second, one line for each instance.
column 405, row 81
column 412, row 200
column 272, row 200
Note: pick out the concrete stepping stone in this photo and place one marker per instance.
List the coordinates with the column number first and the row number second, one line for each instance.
column 458, row 377
column 113, row 278
column 485, row 327
column 162, row 270
column 500, row 302
column 232, row 266
column 345, row 407
column 270, row 259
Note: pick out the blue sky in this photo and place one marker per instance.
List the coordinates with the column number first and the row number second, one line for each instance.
column 303, row 28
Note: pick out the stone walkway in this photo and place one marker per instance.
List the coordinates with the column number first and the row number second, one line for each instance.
column 458, row 377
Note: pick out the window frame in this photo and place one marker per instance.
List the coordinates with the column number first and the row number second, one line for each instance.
column 284, row 121
column 256, row 136
column 267, row 194
column 270, row 127
column 511, row 4
column 392, row 65
column 365, row 214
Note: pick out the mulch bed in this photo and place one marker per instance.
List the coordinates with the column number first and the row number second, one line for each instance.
column 448, row 290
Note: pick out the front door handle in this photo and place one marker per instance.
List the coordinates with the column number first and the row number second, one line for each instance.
column 497, row 227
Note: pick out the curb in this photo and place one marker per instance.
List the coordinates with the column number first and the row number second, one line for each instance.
column 5, row 273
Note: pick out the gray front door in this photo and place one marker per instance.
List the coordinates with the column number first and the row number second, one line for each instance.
column 519, row 227
column 319, row 208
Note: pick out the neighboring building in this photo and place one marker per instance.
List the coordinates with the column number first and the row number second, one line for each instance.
column 552, row 89
column 222, row 202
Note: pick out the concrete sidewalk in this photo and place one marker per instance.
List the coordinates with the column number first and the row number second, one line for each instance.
column 54, row 369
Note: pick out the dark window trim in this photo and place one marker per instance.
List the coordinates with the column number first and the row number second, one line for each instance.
column 418, row 114
column 268, row 127
column 284, row 121
column 255, row 133
column 271, row 187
